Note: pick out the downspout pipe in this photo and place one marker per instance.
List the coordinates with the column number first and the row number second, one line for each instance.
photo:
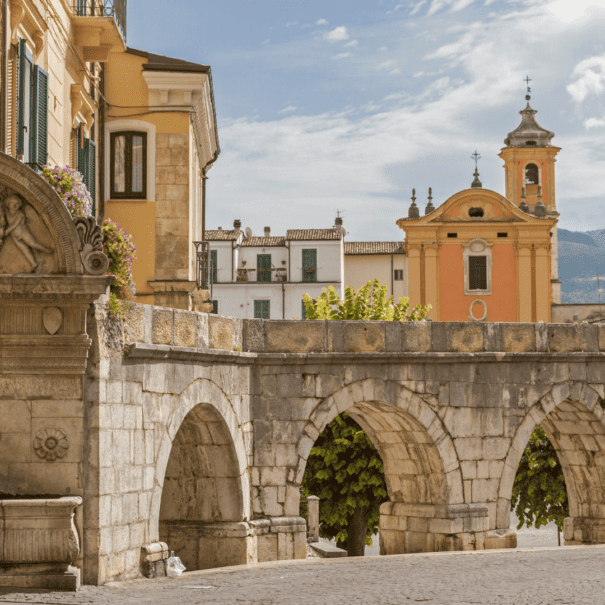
column 4, row 99
column 204, row 179
column 101, row 155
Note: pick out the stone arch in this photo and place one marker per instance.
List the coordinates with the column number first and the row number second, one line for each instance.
column 55, row 222
column 201, row 480
column 572, row 418
column 418, row 453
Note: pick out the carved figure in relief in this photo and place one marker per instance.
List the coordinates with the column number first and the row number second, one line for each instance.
column 16, row 227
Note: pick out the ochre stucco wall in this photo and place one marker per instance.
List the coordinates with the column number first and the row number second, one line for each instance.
column 359, row 268
column 454, row 304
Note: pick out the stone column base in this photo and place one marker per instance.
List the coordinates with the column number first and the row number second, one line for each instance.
column 409, row 528
column 173, row 294
column 280, row 538
column 202, row 545
column 53, row 577
column 501, row 538
column 583, row 530
column 154, row 558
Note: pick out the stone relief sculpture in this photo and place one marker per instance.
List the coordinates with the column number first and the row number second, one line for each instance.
column 22, row 236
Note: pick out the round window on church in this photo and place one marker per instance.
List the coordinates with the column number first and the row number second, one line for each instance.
column 475, row 212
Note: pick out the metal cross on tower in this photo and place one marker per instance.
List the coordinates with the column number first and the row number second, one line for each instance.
column 475, row 156
column 527, row 80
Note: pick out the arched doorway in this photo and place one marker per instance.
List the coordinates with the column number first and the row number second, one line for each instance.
column 202, row 510
column 426, row 510
column 577, row 433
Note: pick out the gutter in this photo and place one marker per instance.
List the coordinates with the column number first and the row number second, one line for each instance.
column 4, row 78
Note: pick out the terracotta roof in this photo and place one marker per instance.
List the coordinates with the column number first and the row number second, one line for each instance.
column 313, row 234
column 374, row 248
column 263, row 242
column 163, row 63
column 217, row 235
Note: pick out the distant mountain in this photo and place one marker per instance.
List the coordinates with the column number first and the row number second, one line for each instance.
column 580, row 256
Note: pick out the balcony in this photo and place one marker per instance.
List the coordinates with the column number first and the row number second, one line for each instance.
column 205, row 271
column 100, row 27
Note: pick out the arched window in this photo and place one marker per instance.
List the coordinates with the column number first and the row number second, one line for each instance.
column 532, row 175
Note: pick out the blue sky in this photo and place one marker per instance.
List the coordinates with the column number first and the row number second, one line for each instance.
column 350, row 104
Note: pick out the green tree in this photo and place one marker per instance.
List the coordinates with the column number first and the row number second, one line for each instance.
column 344, row 469
column 370, row 303
column 539, row 494
column 345, row 472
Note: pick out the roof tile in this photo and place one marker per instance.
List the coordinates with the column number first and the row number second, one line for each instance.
column 313, row 234
column 374, row 248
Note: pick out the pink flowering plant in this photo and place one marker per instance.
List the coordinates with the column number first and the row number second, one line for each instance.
column 117, row 242
column 67, row 182
column 120, row 250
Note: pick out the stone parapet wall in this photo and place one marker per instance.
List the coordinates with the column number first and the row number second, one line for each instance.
column 173, row 327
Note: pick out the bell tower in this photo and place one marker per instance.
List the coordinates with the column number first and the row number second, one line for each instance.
column 529, row 162
column 529, row 167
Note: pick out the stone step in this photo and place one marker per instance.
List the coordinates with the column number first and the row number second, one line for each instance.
column 327, row 550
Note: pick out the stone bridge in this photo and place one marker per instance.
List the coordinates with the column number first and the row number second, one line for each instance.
column 193, row 430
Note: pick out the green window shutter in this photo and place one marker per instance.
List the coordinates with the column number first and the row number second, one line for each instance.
column 263, row 262
column 39, row 118
column 214, row 265
column 21, row 92
column 214, row 306
column 309, row 265
column 80, row 155
column 262, row 309
column 90, row 151
column 303, row 314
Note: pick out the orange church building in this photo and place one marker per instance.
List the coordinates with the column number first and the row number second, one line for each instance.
column 481, row 256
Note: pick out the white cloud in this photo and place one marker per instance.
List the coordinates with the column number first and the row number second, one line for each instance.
column 290, row 23
column 341, row 56
column 383, row 48
column 395, row 96
column 288, row 109
column 566, row 11
column 594, row 123
column 591, row 78
column 386, row 65
column 418, row 6
column 395, row 71
column 321, row 22
column 337, row 34
column 352, row 43
column 266, row 41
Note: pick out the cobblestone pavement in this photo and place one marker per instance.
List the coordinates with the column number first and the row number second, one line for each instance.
column 558, row 576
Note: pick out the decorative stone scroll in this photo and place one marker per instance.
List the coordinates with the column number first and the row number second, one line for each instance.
column 91, row 245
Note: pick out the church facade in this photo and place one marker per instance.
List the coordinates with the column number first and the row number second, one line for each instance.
column 482, row 256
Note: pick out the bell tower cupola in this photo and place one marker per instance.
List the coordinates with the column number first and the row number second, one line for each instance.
column 529, row 162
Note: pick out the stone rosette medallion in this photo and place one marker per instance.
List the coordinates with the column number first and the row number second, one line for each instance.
column 51, row 444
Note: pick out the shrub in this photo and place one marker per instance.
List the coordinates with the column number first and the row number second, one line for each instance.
column 120, row 250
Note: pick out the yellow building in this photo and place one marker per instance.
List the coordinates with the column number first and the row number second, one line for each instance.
column 160, row 140
column 384, row 261
column 140, row 127
column 482, row 256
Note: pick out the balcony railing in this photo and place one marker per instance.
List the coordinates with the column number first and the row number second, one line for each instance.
column 205, row 272
column 103, row 8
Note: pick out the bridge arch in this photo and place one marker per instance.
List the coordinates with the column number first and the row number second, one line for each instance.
column 201, row 487
column 572, row 418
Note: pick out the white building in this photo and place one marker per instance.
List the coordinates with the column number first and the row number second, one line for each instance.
column 267, row 276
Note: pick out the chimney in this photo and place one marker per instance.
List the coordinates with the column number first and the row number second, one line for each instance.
column 338, row 221
column 220, row 228
column 237, row 225
column 267, row 231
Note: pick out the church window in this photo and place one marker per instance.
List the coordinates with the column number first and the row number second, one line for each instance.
column 502, row 234
column 477, row 276
column 452, row 235
column 477, row 258
column 475, row 212
column 532, row 175
column 531, row 143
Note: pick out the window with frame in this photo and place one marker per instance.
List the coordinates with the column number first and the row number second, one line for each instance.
column 398, row 274
column 262, row 309
column 214, row 307
column 309, row 265
column 128, row 165
column 263, row 267
column 32, row 110
column 532, row 175
column 86, row 163
column 477, row 273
